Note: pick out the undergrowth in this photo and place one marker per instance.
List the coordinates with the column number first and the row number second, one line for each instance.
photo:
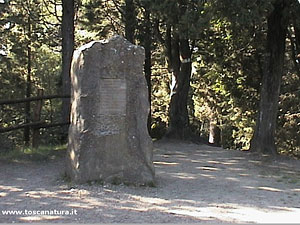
column 41, row 153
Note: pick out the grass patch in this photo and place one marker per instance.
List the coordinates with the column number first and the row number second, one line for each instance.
column 41, row 153
column 96, row 182
column 150, row 184
column 119, row 181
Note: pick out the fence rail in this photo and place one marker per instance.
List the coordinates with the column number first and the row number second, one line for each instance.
column 36, row 98
column 36, row 124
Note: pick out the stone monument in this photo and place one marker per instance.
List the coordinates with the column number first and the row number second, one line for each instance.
column 108, row 136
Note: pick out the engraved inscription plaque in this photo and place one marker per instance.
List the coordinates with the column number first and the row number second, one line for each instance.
column 112, row 97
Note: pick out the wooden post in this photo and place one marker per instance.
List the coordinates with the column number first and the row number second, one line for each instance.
column 37, row 118
column 28, row 85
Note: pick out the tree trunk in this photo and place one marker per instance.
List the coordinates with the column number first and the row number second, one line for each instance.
column 297, row 47
column 179, row 57
column 67, row 30
column 147, row 66
column 28, row 87
column 214, row 133
column 130, row 20
column 178, row 115
column 263, row 140
column 297, row 37
column 37, row 118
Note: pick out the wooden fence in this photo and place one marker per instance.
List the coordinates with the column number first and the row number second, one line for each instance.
column 36, row 122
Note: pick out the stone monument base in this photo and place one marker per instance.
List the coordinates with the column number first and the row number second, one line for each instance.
column 108, row 136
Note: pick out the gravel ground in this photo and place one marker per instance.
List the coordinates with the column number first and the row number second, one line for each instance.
column 194, row 184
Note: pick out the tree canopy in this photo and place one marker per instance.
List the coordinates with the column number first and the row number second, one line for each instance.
column 225, row 72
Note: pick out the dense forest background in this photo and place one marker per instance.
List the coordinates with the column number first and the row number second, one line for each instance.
column 227, row 71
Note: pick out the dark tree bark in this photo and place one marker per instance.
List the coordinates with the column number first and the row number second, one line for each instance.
column 294, row 36
column 67, row 30
column 178, row 54
column 37, row 118
column 28, row 86
column 294, row 50
column 130, row 20
column 147, row 42
column 297, row 37
column 263, row 140
column 180, row 63
column 297, row 46
column 179, row 59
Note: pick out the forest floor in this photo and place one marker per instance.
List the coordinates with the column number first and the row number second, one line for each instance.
column 194, row 184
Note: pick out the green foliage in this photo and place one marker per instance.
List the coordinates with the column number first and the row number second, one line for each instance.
column 159, row 101
column 25, row 25
column 226, row 84
column 288, row 134
column 99, row 20
column 228, row 39
column 229, row 42
column 34, row 154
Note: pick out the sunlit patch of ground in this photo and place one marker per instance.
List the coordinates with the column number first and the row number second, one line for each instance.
column 194, row 183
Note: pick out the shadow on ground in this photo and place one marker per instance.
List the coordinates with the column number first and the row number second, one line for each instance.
column 195, row 183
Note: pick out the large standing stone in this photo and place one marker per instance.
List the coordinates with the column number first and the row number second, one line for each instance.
column 108, row 137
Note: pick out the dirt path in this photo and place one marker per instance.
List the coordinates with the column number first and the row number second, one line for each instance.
column 195, row 183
